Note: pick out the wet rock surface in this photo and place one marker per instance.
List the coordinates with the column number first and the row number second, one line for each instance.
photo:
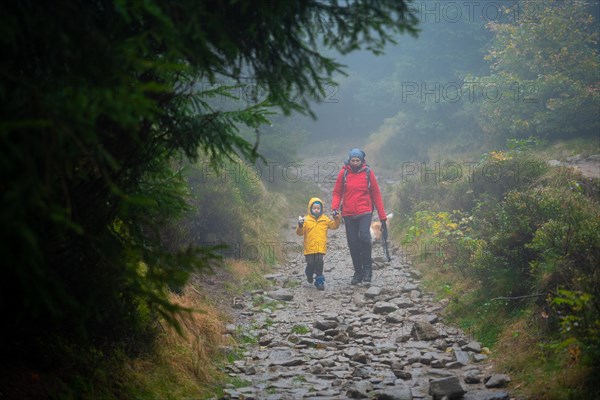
column 385, row 341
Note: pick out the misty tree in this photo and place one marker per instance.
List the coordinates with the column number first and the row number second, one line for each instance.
column 544, row 73
column 424, row 102
column 100, row 102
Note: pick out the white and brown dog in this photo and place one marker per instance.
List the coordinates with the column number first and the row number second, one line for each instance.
column 376, row 231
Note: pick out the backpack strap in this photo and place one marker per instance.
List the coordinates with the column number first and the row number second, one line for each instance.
column 367, row 171
column 343, row 189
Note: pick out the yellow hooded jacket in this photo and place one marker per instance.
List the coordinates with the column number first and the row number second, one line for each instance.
column 314, row 230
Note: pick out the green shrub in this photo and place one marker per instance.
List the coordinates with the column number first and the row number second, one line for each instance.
column 527, row 234
column 568, row 244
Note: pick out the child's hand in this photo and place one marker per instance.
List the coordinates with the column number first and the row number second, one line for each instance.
column 336, row 214
column 300, row 221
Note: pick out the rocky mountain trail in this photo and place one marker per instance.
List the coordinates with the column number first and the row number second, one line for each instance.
column 588, row 166
column 383, row 341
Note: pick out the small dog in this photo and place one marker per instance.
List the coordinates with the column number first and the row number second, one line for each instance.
column 376, row 231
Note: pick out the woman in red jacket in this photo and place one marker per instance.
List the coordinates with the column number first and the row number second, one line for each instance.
column 356, row 194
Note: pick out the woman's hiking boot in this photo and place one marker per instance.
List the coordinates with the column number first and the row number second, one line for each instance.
column 356, row 279
column 358, row 276
column 367, row 275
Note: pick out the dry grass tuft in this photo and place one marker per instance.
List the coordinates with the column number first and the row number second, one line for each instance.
column 240, row 269
column 185, row 365
column 516, row 347
column 537, row 373
column 193, row 352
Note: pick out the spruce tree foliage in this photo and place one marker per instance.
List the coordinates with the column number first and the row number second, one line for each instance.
column 100, row 102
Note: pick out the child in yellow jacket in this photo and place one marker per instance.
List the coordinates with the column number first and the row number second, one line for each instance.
column 314, row 228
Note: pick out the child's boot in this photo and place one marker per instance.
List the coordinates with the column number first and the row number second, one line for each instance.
column 320, row 282
column 309, row 274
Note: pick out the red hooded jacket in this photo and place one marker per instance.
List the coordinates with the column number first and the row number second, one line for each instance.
column 356, row 197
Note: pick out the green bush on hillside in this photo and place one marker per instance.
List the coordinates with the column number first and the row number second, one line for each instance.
column 568, row 244
column 458, row 185
column 536, row 238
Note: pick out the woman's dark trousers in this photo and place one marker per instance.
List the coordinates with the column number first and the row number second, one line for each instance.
column 358, row 235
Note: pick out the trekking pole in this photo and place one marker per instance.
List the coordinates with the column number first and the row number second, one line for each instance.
column 385, row 243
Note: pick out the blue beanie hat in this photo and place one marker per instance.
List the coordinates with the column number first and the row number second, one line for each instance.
column 357, row 153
